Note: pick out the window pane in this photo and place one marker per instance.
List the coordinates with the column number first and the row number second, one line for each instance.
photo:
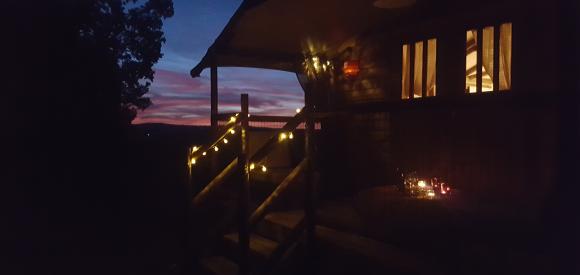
column 505, row 56
column 471, row 61
column 406, row 74
column 487, row 60
column 431, row 67
column 418, row 70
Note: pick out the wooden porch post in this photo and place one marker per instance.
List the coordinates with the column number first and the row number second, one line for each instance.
column 309, row 207
column 243, row 200
column 214, row 95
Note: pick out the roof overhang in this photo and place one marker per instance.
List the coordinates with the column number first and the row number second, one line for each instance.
column 277, row 34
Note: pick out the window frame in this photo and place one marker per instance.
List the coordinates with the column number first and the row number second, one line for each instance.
column 425, row 58
column 479, row 30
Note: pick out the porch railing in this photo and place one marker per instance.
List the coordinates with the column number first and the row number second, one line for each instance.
column 241, row 164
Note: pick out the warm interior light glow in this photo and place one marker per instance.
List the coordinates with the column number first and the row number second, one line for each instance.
column 505, row 56
column 406, row 66
column 418, row 71
column 471, row 61
column 431, row 194
column 351, row 69
column 431, row 67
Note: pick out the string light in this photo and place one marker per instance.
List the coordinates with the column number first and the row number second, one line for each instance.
column 194, row 149
column 225, row 140
column 192, row 161
column 291, row 135
column 232, row 131
column 252, row 166
column 233, row 119
column 215, row 148
column 204, row 153
column 264, row 169
column 282, row 136
column 298, row 110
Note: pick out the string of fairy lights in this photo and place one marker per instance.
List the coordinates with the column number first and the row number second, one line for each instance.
column 198, row 152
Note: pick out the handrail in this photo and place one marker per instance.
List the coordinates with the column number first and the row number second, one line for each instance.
column 222, row 134
column 258, row 155
column 269, row 145
column 262, row 210
column 217, row 181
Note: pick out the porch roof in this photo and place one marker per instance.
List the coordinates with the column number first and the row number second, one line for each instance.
column 277, row 34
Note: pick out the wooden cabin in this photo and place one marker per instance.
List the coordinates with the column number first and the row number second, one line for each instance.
column 473, row 93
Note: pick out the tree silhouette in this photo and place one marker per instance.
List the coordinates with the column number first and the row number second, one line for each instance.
column 127, row 33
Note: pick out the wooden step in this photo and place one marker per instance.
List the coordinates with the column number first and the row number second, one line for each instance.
column 219, row 266
column 366, row 252
column 277, row 225
column 260, row 247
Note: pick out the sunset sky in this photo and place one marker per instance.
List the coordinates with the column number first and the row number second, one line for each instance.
column 179, row 99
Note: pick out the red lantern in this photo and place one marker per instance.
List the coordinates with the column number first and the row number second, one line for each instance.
column 351, row 69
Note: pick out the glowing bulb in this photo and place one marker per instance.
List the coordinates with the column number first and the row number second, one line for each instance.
column 421, row 183
column 298, row 110
column 431, row 194
column 283, row 136
column 233, row 119
column 264, row 169
column 252, row 166
column 225, row 140
column 232, row 131
column 195, row 148
column 204, row 153
column 291, row 135
column 443, row 192
column 192, row 161
column 215, row 148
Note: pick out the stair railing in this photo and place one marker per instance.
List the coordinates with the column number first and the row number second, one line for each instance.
column 260, row 154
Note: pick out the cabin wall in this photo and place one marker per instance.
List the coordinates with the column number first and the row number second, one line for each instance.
column 497, row 150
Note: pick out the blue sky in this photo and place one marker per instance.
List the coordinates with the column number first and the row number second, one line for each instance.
column 179, row 99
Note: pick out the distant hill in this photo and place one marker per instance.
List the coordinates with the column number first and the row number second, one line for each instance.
column 178, row 134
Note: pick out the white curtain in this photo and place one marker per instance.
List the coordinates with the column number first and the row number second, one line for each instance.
column 505, row 60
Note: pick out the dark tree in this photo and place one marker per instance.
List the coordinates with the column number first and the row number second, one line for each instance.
column 128, row 35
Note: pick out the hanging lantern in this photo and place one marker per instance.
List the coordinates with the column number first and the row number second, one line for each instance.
column 351, row 69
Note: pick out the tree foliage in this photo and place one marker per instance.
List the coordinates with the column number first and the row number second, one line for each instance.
column 129, row 34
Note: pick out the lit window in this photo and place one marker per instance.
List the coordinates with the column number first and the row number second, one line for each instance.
column 488, row 59
column 419, row 69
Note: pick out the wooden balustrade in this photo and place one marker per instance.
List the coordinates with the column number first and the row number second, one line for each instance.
column 263, row 209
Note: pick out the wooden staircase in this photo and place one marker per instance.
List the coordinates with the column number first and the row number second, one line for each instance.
column 285, row 240
column 274, row 240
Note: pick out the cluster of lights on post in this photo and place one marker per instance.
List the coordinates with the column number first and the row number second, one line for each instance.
column 194, row 156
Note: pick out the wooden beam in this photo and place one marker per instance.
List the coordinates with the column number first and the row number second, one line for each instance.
column 309, row 196
column 479, row 80
column 262, row 210
column 214, row 96
column 243, row 194
column 217, row 181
